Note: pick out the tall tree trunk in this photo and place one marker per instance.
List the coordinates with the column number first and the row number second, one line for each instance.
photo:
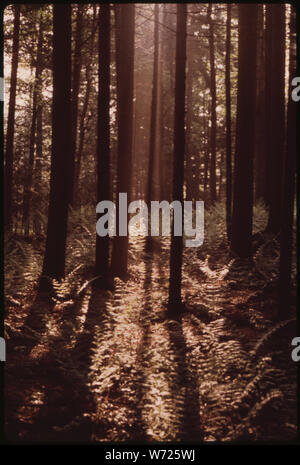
column 260, row 134
column 54, row 258
column 82, row 119
column 190, row 182
column 125, row 63
column 153, row 121
column 82, row 132
column 228, row 124
column 241, row 240
column 77, row 63
column 37, row 93
column 169, row 53
column 286, row 232
column 276, row 133
column 162, row 118
column 213, row 91
column 9, row 152
column 103, row 141
column 179, row 148
column 37, row 222
column 268, row 95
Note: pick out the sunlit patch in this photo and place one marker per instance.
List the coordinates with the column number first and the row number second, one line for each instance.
column 34, row 401
column 113, row 370
column 164, row 397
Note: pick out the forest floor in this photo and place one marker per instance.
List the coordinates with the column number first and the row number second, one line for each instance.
column 89, row 365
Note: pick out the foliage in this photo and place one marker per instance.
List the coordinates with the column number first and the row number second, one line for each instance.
column 221, row 372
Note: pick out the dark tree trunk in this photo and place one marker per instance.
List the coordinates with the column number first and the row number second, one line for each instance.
column 36, row 102
column 190, row 164
column 276, row 133
column 77, row 63
column 125, row 62
column 228, row 124
column 245, row 131
column 163, row 172
column 9, row 152
column 153, row 122
column 103, row 141
column 54, row 259
column 268, row 95
column 286, row 232
column 260, row 134
column 179, row 148
column 213, row 91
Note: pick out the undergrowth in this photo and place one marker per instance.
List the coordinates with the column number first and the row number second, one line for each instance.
column 111, row 366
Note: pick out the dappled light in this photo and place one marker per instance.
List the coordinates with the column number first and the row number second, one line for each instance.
column 149, row 223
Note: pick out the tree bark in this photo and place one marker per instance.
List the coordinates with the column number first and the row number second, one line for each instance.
column 54, row 258
column 37, row 222
column 260, row 135
column 179, row 149
column 124, row 62
column 190, row 164
column 36, row 103
column 77, row 64
column 286, row 232
column 213, row 91
column 276, row 133
column 153, row 122
column 82, row 119
column 103, row 141
column 228, row 123
column 241, row 240
column 9, row 152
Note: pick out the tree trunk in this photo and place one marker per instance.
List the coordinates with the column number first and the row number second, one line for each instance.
column 82, row 123
column 54, row 258
column 190, row 164
column 153, row 122
column 162, row 119
column 276, row 133
column 125, row 63
column 286, row 232
column 37, row 222
column 243, row 167
column 260, row 134
column 179, row 148
column 103, row 141
column 228, row 123
column 36, row 102
column 213, row 91
column 77, row 63
column 9, row 152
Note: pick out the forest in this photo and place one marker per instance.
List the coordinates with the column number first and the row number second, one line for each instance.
column 133, row 337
